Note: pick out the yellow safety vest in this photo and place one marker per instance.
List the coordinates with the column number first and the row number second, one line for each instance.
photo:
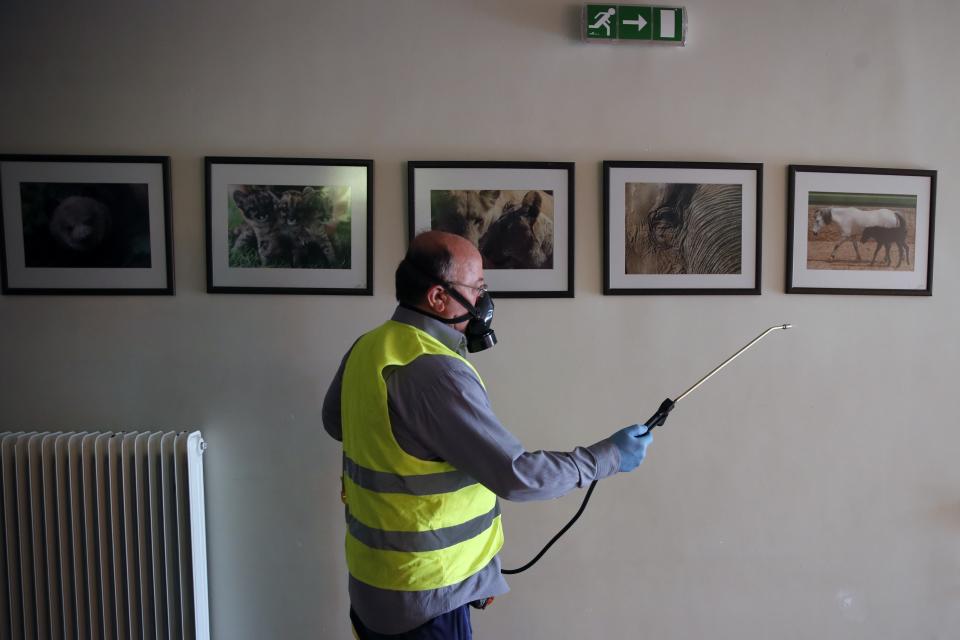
column 412, row 524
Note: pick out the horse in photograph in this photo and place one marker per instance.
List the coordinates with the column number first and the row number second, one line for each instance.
column 851, row 222
column 521, row 238
column 688, row 228
column 884, row 237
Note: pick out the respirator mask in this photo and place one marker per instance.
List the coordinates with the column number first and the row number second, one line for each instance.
column 480, row 335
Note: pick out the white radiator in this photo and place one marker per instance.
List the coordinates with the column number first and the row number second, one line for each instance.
column 103, row 536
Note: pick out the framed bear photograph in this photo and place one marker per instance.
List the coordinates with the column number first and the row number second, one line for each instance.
column 83, row 225
column 860, row 230
column 289, row 225
column 519, row 215
column 681, row 227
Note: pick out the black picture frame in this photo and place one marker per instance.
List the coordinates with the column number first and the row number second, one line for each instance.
column 539, row 191
column 895, row 208
column 658, row 219
column 317, row 239
column 85, row 225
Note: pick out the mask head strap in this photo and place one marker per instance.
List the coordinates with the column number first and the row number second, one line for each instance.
column 456, row 295
column 479, row 334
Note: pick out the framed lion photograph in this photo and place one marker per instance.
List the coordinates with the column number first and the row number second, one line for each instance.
column 519, row 215
column 289, row 225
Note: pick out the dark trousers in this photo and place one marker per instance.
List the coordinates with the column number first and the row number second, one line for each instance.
column 452, row 625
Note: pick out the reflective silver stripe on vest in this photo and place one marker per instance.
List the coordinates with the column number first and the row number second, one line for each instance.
column 421, row 540
column 421, row 485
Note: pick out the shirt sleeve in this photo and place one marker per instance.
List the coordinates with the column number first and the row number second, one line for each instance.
column 332, row 420
column 440, row 410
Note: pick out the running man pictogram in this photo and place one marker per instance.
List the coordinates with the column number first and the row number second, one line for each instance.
column 603, row 20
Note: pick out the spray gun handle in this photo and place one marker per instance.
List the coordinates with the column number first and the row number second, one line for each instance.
column 660, row 416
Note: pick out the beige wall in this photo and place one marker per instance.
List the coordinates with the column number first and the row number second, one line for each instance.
column 811, row 491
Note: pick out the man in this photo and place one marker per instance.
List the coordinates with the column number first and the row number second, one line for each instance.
column 425, row 458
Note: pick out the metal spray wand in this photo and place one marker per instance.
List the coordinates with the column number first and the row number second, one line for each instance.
column 667, row 405
column 655, row 420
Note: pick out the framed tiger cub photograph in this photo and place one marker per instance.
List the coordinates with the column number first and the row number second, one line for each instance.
column 289, row 225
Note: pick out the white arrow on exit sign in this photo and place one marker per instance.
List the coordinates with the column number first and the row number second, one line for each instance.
column 640, row 22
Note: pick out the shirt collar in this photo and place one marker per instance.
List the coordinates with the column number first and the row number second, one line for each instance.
column 447, row 335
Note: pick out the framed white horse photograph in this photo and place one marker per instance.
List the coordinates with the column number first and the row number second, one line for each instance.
column 856, row 230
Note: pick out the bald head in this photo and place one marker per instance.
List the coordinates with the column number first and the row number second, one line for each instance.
column 436, row 257
column 457, row 247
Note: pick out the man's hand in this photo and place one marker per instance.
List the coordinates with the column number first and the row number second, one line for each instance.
column 632, row 442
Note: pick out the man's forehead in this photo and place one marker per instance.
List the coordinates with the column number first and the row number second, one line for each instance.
column 470, row 268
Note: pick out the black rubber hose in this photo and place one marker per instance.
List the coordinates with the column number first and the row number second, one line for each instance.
column 655, row 421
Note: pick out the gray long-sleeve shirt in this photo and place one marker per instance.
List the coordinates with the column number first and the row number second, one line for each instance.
column 439, row 410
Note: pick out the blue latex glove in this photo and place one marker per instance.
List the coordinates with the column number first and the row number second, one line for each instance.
column 632, row 442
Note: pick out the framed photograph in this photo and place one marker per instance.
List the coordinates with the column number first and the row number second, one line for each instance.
column 854, row 230
column 85, row 225
column 289, row 225
column 681, row 227
column 518, row 214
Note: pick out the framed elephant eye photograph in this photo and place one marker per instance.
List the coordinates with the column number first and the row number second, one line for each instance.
column 857, row 230
column 85, row 225
column 289, row 225
column 519, row 215
column 681, row 227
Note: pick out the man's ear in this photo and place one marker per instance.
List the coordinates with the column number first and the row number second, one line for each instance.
column 436, row 298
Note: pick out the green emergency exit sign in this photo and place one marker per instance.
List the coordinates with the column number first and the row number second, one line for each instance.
column 635, row 23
